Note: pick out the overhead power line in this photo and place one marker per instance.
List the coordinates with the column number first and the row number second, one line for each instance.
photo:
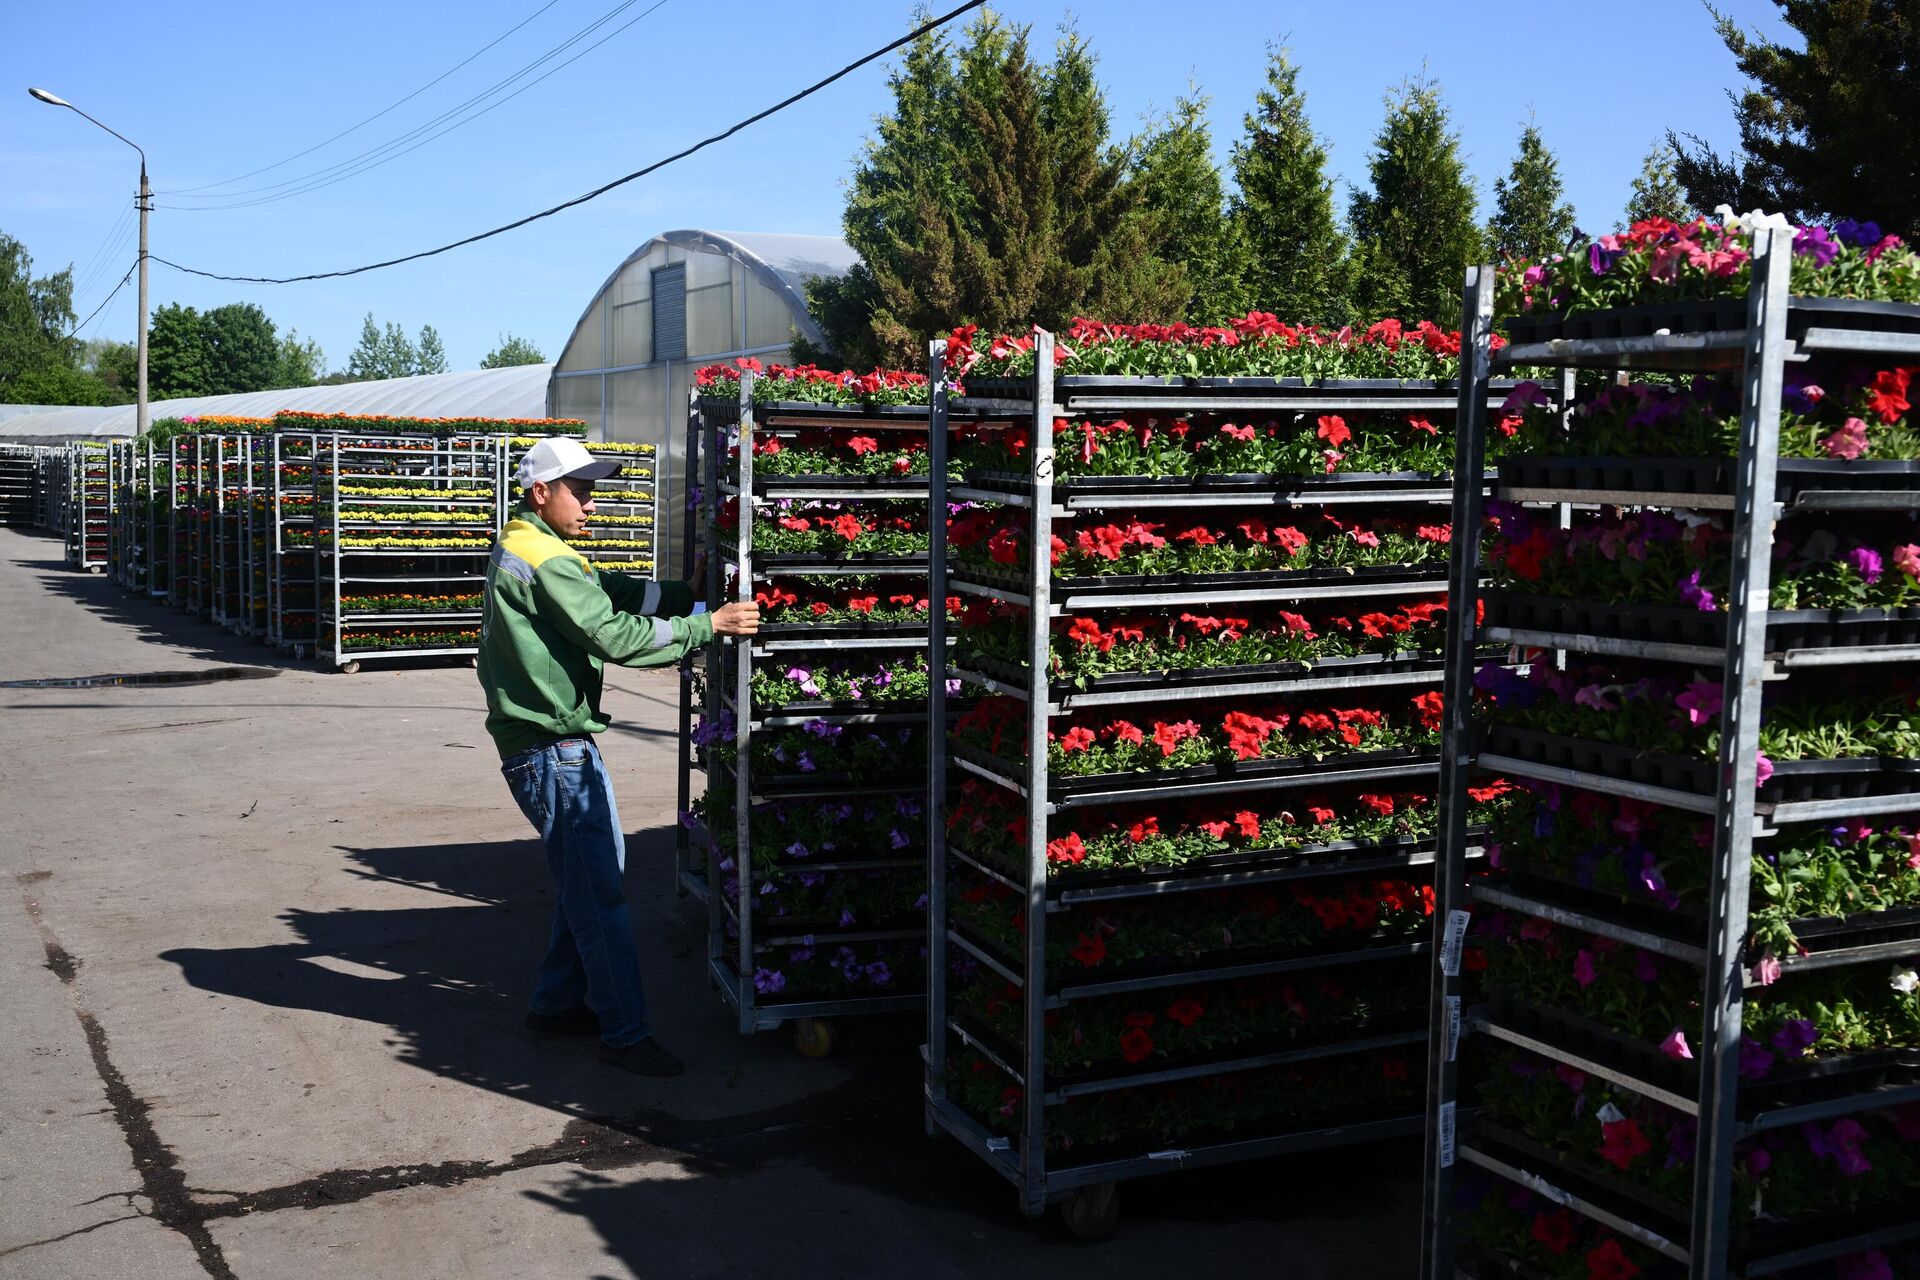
column 227, row 182
column 599, row 191
column 338, row 168
column 109, row 298
column 359, row 167
column 254, row 173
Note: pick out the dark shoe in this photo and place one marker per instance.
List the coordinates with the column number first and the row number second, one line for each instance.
column 574, row 1022
column 643, row 1057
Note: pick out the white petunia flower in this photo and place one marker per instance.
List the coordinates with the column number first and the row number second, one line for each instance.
column 1906, row 981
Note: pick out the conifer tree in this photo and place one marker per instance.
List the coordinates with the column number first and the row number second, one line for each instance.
column 429, row 354
column 1182, row 189
column 1283, row 210
column 1018, row 210
column 1414, row 229
column 1530, row 220
column 1657, row 192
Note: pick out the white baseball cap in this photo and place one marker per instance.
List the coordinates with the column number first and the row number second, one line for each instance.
column 558, row 456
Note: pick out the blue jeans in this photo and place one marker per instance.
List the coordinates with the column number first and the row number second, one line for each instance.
column 563, row 789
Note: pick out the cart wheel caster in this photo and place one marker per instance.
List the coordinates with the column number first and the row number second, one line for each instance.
column 815, row 1037
column 94, row 570
column 1091, row 1213
column 349, row 668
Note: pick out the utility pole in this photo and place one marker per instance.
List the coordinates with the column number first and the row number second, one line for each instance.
column 144, row 202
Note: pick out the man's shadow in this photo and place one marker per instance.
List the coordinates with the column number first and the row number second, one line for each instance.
column 450, row 980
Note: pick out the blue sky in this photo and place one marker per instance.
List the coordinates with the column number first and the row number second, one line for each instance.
column 215, row 88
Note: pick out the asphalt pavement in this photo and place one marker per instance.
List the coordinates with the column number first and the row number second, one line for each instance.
column 264, row 950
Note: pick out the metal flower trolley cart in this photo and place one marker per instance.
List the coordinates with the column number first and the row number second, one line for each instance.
column 813, row 733
column 402, row 529
column 1664, row 1039
column 1179, row 901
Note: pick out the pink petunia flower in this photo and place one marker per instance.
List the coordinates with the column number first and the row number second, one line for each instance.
column 1675, row 1046
column 1849, row 442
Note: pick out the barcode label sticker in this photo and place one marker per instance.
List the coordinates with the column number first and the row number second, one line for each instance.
column 1446, row 1135
column 1453, row 1028
column 1454, row 941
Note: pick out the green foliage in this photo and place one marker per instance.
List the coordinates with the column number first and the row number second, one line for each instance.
column 992, row 195
column 298, row 364
column 1296, row 256
column 36, row 317
column 429, row 356
column 1657, row 192
column 56, row 384
column 1530, row 220
column 179, row 353
column 1415, row 230
column 387, row 353
column 242, row 347
column 117, row 367
column 1182, row 189
column 512, row 351
column 1830, row 129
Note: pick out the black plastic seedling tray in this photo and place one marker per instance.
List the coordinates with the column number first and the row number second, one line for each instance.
column 1682, row 624
column 1703, row 315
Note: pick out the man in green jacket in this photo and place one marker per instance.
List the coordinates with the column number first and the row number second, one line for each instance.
column 550, row 622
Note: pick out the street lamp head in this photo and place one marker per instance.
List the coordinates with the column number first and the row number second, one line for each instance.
column 51, row 99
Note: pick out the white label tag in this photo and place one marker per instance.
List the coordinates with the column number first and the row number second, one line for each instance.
column 1453, row 942
column 1446, row 1135
column 1453, row 1028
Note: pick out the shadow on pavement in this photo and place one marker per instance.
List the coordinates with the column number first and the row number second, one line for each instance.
column 151, row 621
column 810, row 1169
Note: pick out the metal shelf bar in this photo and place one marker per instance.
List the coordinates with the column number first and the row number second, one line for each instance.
column 1547, row 1049
column 1684, row 952
column 1250, row 969
column 1586, row 1208
column 1253, row 1062
column 1666, row 796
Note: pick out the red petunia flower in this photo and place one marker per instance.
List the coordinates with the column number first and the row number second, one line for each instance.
column 1292, row 539
column 1248, row 823
column 1422, row 425
column 1078, row 738
column 1090, row 949
column 863, row 604
column 1379, row 804
column 1147, row 826
column 1136, row 1045
column 1333, row 429
column 1185, row 1011
column 1127, row 731
column 1253, row 529
column 863, row 445
column 1237, row 433
column 1004, row 547
column 1430, row 709
column 1554, row 1230
column 1622, row 1142
column 1609, row 1262
column 848, row 526
column 1169, row 736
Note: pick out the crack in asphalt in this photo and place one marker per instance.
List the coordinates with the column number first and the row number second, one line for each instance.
column 593, row 1143
column 66, row 1235
column 158, row 1167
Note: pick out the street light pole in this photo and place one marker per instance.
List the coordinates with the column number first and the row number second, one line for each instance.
column 144, row 202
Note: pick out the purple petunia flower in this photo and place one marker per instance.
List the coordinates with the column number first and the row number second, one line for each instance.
column 798, row 850
column 1870, row 1265
column 822, row 729
column 1861, row 235
column 1691, row 592
column 846, row 917
column 1583, row 971
column 769, row 981
column 1867, row 563
column 1600, row 259
column 1815, row 243
column 898, row 838
column 806, row 763
column 879, row 974
column 1795, row 1037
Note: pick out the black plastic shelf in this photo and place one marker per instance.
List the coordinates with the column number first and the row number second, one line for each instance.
column 1793, row 781
column 1705, row 477
column 1682, row 624
column 1015, row 580
column 1148, row 781
column 1709, row 315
